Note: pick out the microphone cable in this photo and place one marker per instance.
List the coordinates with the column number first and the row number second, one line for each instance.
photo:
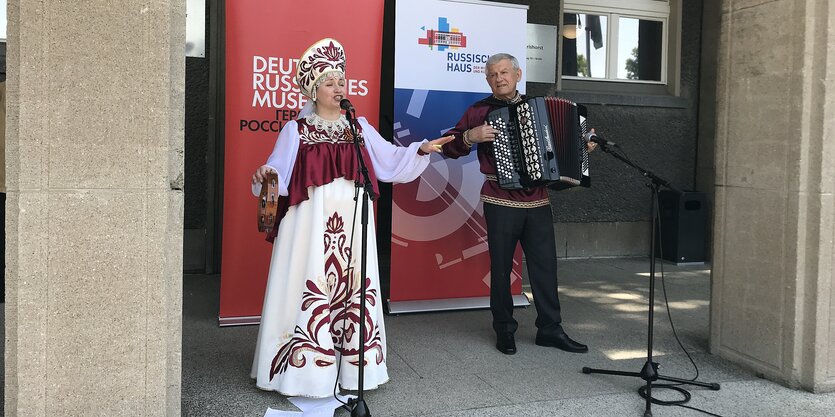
column 642, row 391
column 347, row 305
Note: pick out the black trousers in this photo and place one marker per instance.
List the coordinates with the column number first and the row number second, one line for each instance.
column 534, row 229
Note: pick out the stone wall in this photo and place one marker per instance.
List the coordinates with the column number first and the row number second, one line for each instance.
column 94, row 174
column 772, row 303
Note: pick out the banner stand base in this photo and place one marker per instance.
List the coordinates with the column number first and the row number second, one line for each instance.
column 238, row 321
column 467, row 303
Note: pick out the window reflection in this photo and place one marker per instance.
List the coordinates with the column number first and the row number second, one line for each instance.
column 639, row 49
column 584, row 49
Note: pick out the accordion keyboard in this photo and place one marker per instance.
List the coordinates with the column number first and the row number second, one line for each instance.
column 505, row 151
column 530, row 144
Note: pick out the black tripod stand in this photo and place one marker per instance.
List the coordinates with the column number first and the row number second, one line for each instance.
column 357, row 405
column 649, row 372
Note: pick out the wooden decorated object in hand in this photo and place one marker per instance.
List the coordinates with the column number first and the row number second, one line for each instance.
column 268, row 202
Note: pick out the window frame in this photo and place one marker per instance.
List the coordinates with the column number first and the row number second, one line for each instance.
column 668, row 12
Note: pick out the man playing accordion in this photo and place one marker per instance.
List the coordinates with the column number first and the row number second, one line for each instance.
column 519, row 215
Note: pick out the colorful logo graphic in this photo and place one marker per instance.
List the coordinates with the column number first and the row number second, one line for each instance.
column 444, row 37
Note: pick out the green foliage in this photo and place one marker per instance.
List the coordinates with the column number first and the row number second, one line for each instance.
column 583, row 66
column 632, row 65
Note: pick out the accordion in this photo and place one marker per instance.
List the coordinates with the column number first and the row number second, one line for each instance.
column 541, row 141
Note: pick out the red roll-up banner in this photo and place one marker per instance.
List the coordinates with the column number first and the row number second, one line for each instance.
column 264, row 40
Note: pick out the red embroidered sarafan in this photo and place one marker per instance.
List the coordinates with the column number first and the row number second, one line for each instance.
column 334, row 302
column 322, row 158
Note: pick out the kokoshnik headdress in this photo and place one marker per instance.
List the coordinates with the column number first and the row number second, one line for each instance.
column 320, row 59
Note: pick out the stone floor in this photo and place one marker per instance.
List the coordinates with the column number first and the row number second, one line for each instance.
column 445, row 363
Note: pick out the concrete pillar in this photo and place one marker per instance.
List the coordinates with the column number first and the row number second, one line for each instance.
column 94, row 175
column 773, row 299
column 3, row 136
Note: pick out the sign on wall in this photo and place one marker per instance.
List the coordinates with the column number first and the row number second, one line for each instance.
column 542, row 53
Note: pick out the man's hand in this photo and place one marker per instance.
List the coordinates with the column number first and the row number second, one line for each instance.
column 591, row 146
column 479, row 134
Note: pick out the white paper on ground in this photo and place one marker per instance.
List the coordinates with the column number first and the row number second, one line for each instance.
column 311, row 407
column 278, row 413
column 319, row 412
column 319, row 407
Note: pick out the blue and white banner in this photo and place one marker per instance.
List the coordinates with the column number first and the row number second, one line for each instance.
column 439, row 240
column 443, row 45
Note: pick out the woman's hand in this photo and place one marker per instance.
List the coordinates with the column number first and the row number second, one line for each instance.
column 261, row 173
column 435, row 144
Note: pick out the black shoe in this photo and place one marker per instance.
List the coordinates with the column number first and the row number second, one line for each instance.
column 561, row 341
column 505, row 343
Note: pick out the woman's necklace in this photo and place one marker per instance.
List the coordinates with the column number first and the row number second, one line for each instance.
column 334, row 128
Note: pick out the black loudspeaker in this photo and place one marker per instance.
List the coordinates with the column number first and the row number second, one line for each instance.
column 683, row 226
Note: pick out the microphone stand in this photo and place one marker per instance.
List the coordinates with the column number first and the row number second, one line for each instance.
column 649, row 372
column 358, row 406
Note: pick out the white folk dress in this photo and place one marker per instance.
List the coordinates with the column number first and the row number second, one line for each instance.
column 309, row 322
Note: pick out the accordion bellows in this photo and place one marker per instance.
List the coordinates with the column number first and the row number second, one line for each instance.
column 541, row 141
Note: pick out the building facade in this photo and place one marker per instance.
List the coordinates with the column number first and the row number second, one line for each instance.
column 734, row 99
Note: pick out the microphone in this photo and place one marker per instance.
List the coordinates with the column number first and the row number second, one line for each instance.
column 346, row 105
column 592, row 137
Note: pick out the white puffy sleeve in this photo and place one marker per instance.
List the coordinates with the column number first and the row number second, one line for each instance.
column 396, row 164
column 283, row 157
